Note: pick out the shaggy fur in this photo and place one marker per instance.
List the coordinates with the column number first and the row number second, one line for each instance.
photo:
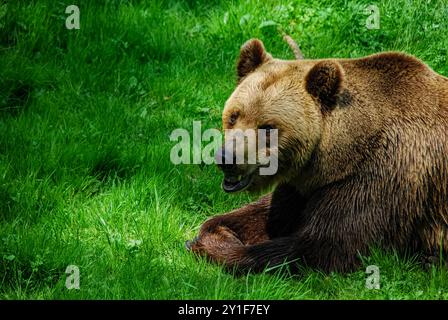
column 363, row 161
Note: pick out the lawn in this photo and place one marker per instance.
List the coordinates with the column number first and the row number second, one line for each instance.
column 85, row 123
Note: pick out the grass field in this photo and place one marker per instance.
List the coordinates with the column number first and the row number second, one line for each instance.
column 85, row 120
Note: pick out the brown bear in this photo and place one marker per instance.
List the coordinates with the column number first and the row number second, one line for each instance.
column 362, row 162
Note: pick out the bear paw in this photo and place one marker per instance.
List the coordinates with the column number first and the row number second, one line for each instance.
column 190, row 243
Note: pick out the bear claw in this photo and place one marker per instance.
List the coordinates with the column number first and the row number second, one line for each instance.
column 189, row 243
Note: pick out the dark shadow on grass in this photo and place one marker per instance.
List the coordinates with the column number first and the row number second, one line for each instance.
column 7, row 205
column 111, row 167
column 106, row 169
column 16, row 98
column 20, row 272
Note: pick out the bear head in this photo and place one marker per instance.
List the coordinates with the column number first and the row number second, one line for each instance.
column 288, row 98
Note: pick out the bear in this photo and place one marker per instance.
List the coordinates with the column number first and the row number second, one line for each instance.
column 362, row 163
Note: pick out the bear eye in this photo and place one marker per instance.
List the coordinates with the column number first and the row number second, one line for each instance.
column 267, row 127
column 233, row 118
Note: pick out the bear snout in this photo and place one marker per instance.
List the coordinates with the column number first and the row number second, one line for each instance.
column 225, row 161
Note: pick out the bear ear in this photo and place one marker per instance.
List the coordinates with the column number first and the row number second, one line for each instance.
column 324, row 83
column 252, row 55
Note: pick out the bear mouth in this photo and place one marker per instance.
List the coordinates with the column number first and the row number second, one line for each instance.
column 237, row 183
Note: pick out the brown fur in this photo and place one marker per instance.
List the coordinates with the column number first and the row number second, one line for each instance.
column 363, row 161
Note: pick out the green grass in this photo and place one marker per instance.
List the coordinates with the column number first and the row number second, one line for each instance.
column 85, row 119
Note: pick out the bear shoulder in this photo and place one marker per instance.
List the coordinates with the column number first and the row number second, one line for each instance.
column 394, row 78
column 392, row 63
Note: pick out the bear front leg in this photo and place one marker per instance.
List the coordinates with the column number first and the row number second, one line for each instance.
column 244, row 226
column 266, row 219
column 303, row 248
column 328, row 235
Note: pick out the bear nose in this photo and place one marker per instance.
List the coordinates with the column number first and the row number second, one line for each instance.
column 224, row 160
